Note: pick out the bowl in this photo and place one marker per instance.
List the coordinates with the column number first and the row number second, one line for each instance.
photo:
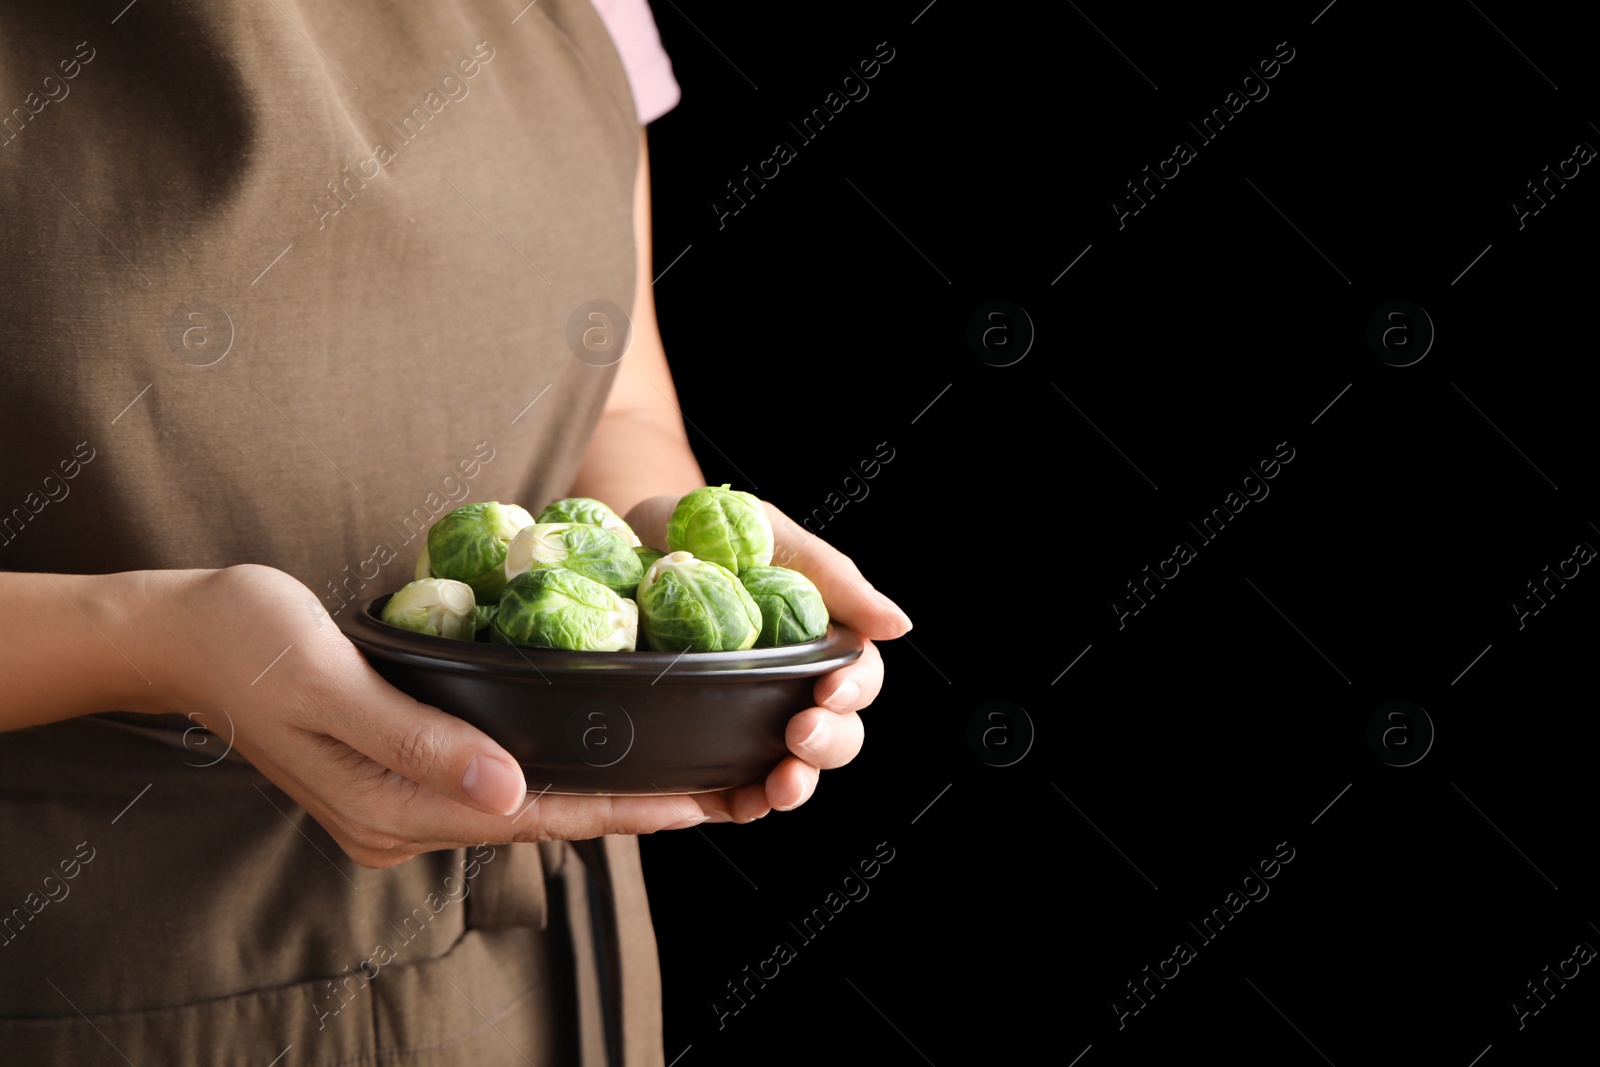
column 612, row 723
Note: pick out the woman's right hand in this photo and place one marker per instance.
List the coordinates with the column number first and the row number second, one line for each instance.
column 252, row 650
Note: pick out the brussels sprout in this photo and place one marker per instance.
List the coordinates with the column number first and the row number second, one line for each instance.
column 483, row 615
column 722, row 525
column 689, row 604
column 438, row 606
column 591, row 551
column 552, row 607
column 469, row 545
column 647, row 556
column 791, row 607
column 591, row 511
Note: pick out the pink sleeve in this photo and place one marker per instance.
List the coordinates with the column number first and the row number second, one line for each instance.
column 633, row 31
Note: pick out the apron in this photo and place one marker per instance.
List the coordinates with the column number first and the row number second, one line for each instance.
column 282, row 283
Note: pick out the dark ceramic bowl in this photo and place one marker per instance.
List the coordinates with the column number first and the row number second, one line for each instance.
column 619, row 723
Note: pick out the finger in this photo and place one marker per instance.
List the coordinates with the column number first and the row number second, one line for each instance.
column 791, row 784
column 574, row 818
column 381, row 818
column 744, row 804
column 849, row 596
column 826, row 739
column 414, row 819
column 853, row 686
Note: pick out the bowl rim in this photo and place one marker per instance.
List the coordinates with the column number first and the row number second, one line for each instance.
column 362, row 624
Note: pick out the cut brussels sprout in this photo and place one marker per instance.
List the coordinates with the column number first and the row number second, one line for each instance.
column 469, row 545
column 552, row 607
column 689, row 604
column 441, row 607
column 588, row 510
column 791, row 607
column 591, row 551
column 722, row 525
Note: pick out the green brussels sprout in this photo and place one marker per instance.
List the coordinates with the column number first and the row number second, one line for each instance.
column 591, row 551
column 722, row 525
column 689, row 604
column 647, row 556
column 483, row 615
column 441, row 607
column 552, row 607
column 469, row 545
column 791, row 607
column 586, row 509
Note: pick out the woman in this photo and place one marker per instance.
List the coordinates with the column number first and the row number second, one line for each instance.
column 282, row 286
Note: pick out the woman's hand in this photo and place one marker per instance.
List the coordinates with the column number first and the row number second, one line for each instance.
column 250, row 649
column 640, row 446
column 389, row 777
column 830, row 734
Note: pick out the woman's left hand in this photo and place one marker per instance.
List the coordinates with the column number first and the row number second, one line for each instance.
column 831, row 733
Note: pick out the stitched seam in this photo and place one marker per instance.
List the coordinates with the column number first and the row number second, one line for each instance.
column 456, row 1040
column 232, row 1001
column 373, row 1015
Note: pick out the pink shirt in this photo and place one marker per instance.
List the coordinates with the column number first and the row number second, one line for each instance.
column 633, row 31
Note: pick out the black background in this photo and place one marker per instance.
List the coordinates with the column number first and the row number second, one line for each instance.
column 828, row 314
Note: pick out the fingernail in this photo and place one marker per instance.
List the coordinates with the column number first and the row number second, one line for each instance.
column 805, row 793
column 891, row 609
column 494, row 785
column 843, row 699
column 818, row 737
column 684, row 824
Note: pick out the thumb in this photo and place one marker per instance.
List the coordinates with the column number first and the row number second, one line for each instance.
column 849, row 596
column 447, row 755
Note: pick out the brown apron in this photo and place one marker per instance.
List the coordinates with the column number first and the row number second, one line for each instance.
column 280, row 283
